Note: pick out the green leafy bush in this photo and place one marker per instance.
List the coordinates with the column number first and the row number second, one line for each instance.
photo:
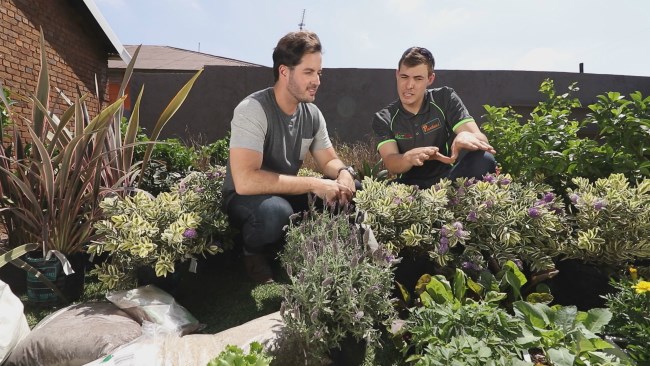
column 235, row 356
column 340, row 286
column 612, row 221
column 547, row 147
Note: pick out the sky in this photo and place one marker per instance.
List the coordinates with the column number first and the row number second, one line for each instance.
column 608, row 37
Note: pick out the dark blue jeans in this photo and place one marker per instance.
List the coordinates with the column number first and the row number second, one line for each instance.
column 473, row 164
column 261, row 218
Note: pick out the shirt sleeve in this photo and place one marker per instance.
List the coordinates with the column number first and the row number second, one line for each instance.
column 321, row 139
column 248, row 126
column 457, row 114
column 381, row 127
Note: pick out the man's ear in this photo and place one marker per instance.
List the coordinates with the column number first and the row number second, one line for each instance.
column 432, row 77
column 283, row 70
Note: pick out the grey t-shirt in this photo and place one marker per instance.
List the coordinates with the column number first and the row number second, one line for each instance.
column 259, row 124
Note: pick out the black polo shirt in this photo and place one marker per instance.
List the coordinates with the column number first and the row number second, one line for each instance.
column 441, row 113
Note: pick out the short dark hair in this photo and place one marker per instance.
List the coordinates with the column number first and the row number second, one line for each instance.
column 415, row 56
column 292, row 47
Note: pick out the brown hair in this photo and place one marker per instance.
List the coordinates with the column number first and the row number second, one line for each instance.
column 415, row 56
column 292, row 47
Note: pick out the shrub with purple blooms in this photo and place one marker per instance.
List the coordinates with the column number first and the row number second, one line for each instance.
column 142, row 230
column 508, row 221
column 612, row 220
column 404, row 216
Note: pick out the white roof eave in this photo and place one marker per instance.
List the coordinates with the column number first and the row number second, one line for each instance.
column 121, row 50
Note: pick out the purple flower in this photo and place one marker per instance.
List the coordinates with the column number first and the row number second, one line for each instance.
column 539, row 203
column 472, row 216
column 457, row 225
column 199, row 189
column 397, row 201
column 549, row 197
column 454, row 201
column 470, row 266
column 469, row 182
column 574, row 198
column 489, row 204
column 460, row 192
column 489, row 178
column 444, row 245
column 504, row 181
column 444, row 231
column 462, row 234
column 600, row 204
column 410, row 198
column 558, row 210
column 519, row 264
column 534, row 212
column 358, row 315
column 189, row 233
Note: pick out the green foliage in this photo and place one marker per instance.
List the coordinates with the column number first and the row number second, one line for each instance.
column 508, row 220
column 612, row 221
column 216, row 153
column 404, row 216
column 235, row 356
column 474, row 333
column 340, row 286
column 50, row 193
column 631, row 316
column 547, row 147
column 567, row 336
column 174, row 226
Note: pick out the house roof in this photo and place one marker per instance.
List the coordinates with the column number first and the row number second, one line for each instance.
column 108, row 31
column 172, row 58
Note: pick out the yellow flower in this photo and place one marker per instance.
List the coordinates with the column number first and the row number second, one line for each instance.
column 642, row 287
column 633, row 273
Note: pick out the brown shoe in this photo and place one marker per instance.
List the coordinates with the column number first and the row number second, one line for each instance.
column 258, row 268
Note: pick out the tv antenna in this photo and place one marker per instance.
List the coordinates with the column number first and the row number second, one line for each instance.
column 302, row 21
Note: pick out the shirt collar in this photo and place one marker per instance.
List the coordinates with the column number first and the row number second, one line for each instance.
column 424, row 108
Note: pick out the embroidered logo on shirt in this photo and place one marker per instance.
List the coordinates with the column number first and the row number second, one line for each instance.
column 431, row 125
column 403, row 136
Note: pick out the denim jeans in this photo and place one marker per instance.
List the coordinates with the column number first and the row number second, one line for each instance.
column 262, row 218
column 472, row 164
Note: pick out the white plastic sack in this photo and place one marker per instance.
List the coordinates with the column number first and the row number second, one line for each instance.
column 13, row 324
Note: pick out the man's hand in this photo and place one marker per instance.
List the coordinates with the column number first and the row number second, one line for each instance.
column 468, row 141
column 417, row 156
column 332, row 191
column 345, row 178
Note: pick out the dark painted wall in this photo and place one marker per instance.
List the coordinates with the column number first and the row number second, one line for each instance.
column 348, row 98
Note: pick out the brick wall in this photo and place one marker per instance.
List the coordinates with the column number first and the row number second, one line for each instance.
column 77, row 52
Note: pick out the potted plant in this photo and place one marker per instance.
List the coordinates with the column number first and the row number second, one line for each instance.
column 51, row 185
column 143, row 232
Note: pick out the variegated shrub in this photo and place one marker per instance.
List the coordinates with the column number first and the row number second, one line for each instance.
column 510, row 220
column 612, row 220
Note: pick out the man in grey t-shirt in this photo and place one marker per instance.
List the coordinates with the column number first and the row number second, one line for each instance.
column 271, row 131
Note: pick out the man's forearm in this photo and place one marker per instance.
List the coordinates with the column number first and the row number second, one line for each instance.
column 397, row 164
column 265, row 182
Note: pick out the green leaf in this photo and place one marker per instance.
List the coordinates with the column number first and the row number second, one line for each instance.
column 597, row 319
column 560, row 356
column 459, row 284
column 533, row 314
column 440, row 291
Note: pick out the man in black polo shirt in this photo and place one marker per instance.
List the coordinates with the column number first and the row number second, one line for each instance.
column 415, row 131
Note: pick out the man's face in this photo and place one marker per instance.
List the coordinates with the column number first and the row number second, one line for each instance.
column 411, row 84
column 304, row 78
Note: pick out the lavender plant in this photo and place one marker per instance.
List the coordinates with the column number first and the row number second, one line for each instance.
column 340, row 287
column 612, row 220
